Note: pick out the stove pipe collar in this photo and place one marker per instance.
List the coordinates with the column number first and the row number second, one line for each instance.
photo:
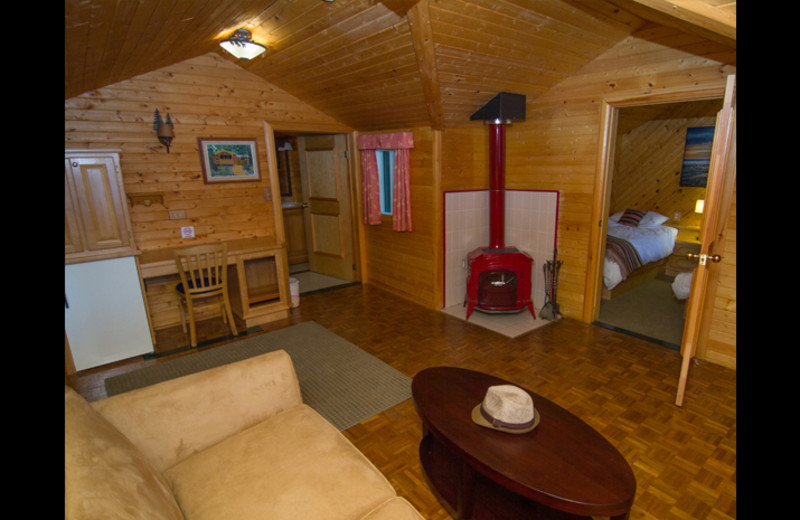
column 502, row 109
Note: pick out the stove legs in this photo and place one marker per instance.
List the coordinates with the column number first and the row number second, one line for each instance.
column 471, row 306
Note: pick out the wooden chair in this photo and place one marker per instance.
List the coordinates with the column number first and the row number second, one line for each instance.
column 203, row 273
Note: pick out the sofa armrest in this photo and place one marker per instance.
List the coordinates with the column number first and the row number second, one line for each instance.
column 172, row 420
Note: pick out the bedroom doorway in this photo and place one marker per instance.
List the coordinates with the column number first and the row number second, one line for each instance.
column 649, row 146
column 620, row 119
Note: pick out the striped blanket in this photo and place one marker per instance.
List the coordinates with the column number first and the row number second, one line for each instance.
column 623, row 254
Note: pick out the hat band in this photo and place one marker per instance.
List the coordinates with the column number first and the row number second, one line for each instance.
column 497, row 423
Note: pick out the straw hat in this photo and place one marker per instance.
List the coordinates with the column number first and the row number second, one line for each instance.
column 506, row 408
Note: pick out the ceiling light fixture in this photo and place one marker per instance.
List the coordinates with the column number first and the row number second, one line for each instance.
column 241, row 45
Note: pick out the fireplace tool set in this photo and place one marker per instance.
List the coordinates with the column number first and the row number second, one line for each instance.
column 550, row 310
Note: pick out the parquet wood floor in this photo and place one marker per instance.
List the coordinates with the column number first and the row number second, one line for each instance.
column 684, row 458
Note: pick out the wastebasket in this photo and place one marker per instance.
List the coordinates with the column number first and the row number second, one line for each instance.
column 294, row 290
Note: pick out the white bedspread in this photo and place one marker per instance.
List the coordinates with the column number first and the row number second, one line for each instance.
column 652, row 243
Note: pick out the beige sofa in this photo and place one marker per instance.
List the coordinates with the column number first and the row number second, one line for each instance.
column 230, row 443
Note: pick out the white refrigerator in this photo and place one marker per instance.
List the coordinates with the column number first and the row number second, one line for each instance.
column 104, row 312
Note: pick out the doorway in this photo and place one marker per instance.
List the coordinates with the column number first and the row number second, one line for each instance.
column 314, row 178
column 644, row 169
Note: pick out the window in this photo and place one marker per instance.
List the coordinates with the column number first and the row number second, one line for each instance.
column 381, row 172
column 385, row 159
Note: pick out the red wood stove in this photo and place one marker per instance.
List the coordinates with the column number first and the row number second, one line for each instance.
column 499, row 278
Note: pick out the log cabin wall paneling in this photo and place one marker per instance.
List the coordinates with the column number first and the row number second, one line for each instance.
column 720, row 346
column 648, row 166
column 556, row 147
column 405, row 263
column 205, row 97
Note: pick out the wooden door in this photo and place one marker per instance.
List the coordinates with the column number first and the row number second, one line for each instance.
column 719, row 191
column 96, row 211
column 326, row 198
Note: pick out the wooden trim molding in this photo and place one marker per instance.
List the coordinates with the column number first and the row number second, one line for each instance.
column 602, row 188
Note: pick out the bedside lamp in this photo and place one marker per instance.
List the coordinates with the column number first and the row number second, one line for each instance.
column 698, row 206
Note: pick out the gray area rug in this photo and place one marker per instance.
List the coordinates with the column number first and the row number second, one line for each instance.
column 342, row 382
column 310, row 282
column 650, row 310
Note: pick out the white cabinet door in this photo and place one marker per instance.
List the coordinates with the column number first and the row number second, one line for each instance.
column 104, row 316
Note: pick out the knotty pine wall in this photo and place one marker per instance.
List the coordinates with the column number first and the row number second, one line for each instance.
column 557, row 147
column 562, row 142
column 720, row 347
column 206, row 96
column 408, row 263
column 648, row 165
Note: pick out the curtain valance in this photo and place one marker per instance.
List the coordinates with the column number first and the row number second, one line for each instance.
column 394, row 141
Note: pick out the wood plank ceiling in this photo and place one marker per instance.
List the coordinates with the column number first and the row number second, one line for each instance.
column 376, row 64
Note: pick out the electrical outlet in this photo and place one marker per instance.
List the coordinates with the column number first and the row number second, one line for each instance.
column 177, row 215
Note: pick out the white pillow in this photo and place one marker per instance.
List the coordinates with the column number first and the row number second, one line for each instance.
column 653, row 219
column 649, row 220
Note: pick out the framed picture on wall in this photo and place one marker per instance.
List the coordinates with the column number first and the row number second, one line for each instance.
column 228, row 160
column 697, row 156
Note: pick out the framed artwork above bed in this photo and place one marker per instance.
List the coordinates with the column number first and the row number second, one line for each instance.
column 697, row 156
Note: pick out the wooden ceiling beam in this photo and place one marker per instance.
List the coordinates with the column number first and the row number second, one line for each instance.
column 711, row 19
column 422, row 38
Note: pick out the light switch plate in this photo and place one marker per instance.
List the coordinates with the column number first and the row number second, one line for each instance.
column 177, row 214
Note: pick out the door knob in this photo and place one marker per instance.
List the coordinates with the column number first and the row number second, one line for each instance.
column 703, row 258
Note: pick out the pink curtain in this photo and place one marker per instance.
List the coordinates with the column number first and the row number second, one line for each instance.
column 400, row 142
column 371, row 188
column 401, row 205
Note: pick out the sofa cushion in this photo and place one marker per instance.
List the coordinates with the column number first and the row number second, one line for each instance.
column 395, row 509
column 171, row 420
column 105, row 476
column 294, row 465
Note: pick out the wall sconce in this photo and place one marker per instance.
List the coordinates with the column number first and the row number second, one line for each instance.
column 699, row 205
column 241, row 45
column 163, row 130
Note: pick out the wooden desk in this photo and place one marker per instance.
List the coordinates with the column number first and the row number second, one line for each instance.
column 563, row 469
column 258, row 281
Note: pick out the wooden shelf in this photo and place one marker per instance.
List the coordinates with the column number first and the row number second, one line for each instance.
column 262, row 294
column 259, row 286
column 145, row 199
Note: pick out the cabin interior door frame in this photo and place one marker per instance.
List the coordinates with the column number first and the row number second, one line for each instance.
column 351, row 196
column 609, row 114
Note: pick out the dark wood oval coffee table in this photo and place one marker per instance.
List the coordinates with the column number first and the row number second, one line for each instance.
column 561, row 469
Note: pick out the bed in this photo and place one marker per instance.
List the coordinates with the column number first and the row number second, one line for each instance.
column 637, row 245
